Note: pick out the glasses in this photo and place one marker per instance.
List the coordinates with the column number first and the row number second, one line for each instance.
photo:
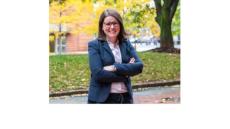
column 109, row 24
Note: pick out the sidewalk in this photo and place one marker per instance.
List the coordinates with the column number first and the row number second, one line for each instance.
column 167, row 98
column 153, row 95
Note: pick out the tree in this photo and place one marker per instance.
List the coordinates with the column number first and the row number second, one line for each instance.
column 74, row 14
column 81, row 16
column 176, row 22
column 70, row 16
column 139, row 15
column 165, row 12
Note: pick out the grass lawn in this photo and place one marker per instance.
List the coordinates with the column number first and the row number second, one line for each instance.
column 68, row 72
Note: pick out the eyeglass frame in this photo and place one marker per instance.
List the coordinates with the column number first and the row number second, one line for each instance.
column 109, row 24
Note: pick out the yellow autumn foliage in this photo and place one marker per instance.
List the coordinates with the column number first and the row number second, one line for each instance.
column 82, row 16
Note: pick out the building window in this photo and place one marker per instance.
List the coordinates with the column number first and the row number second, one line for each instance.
column 61, row 46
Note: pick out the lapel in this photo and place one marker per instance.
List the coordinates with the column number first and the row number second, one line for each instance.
column 105, row 45
column 122, row 46
column 122, row 49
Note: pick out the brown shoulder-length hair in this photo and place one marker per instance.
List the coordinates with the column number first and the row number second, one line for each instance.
column 111, row 12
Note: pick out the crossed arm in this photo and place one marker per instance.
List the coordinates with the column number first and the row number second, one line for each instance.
column 132, row 68
column 96, row 66
column 115, row 72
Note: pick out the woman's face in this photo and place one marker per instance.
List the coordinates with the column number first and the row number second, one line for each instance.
column 111, row 27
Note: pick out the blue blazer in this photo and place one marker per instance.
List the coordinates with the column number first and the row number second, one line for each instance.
column 100, row 55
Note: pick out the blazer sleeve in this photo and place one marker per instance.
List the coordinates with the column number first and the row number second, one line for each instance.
column 130, row 69
column 96, row 66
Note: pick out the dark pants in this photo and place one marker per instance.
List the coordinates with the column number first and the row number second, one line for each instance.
column 116, row 98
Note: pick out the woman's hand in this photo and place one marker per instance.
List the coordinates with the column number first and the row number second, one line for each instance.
column 132, row 60
column 111, row 68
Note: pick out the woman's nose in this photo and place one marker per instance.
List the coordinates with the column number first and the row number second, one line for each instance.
column 112, row 26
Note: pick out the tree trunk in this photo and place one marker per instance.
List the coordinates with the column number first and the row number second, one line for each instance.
column 164, row 18
column 166, row 33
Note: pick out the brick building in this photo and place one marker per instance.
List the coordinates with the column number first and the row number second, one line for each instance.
column 70, row 43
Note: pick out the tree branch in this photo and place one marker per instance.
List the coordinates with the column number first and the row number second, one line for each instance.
column 173, row 8
column 167, row 3
column 158, row 6
column 158, row 10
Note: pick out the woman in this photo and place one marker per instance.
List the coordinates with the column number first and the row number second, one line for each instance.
column 112, row 61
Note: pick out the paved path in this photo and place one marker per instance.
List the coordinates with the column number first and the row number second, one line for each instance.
column 151, row 95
